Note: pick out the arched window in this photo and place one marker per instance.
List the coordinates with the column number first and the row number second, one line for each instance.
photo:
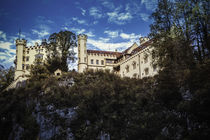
column 127, row 68
column 146, row 71
column 145, row 58
column 134, row 64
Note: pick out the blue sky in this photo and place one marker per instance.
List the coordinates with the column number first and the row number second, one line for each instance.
column 109, row 24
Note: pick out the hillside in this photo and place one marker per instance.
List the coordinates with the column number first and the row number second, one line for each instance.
column 100, row 104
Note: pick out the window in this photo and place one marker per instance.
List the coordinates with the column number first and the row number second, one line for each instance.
column 146, row 71
column 97, row 62
column 145, row 58
column 134, row 64
column 23, row 58
column 108, row 61
column 27, row 52
column 27, row 67
column 23, row 67
column 91, row 61
column 127, row 68
column 27, row 58
column 102, row 62
column 85, row 59
column 39, row 56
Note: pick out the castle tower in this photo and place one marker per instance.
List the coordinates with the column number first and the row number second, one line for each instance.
column 82, row 52
column 20, row 46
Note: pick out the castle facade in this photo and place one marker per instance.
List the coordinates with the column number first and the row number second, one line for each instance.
column 26, row 56
column 134, row 62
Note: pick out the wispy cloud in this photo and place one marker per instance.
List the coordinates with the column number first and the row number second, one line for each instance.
column 108, row 4
column 119, row 17
column 3, row 35
column 41, row 33
column 77, row 30
column 103, row 45
column 104, row 39
column 43, row 20
column 95, row 12
column 149, row 4
column 95, row 22
column 7, row 51
column 79, row 21
column 31, row 42
column 83, row 11
column 132, row 37
column 90, row 34
column 144, row 16
column 112, row 34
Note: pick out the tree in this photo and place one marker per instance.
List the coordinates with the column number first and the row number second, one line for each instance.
column 61, row 49
column 180, row 36
column 6, row 77
column 38, row 71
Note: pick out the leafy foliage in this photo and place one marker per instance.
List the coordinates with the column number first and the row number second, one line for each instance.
column 6, row 77
column 62, row 46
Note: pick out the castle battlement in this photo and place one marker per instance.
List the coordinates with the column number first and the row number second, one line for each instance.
column 21, row 42
column 82, row 36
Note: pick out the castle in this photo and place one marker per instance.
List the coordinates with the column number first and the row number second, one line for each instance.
column 134, row 62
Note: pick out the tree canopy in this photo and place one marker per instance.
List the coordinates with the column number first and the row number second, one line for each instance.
column 61, row 50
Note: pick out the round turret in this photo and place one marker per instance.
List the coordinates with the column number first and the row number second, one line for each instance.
column 20, row 46
column 82, row 36
column 82, row 52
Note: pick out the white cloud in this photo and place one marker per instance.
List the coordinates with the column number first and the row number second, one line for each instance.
column 79, row 21
column 112, row 34
column 83, row 11
column 144, row 16
column 7, row 46
column 109, row 46
column 108, row 4
column 119, row 17
column 90, row 34
column 131, row 36
column 95, row 22
column 7, row 54
column 95, row 12
column 104, row 39
column 3, row 35
column 31, row 42
column 149, row 4
column 77, row 30
column 41, row 33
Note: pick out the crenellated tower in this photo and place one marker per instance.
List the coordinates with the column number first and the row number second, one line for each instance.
column 82, row 52
column 20, row 46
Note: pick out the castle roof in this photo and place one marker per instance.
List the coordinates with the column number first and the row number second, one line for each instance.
column 104, row 52
column 142, row 46
column 134, row 49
